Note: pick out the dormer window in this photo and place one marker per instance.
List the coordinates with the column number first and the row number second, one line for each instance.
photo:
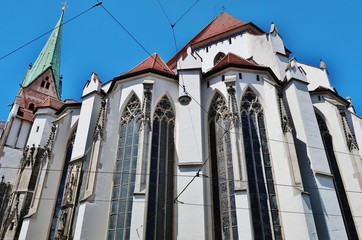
column 218, row 57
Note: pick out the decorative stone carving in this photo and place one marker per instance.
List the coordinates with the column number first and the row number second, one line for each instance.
column 350, row 138
column 98, row 131
column 146, row 105
column 285, row 120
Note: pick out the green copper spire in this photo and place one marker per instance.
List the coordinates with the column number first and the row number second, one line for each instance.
column 49, row 57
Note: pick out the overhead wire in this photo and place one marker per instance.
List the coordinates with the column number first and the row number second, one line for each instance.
column 204, row 205
column 206, row 111
column 44, row 34
column 172, row 27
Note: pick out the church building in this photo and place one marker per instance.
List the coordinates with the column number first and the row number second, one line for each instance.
column 229, row 139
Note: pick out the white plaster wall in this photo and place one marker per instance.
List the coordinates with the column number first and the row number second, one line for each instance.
column 239, row 46
column 87, row 120
column 43, row 120
column 289, row 197
column 345, row 159
column 243, row 212
column 309, row 147
column 23, row 134
column 39, row 219
column 262, row 48
column 14, row 131
column 307, row 129
column 190, row 215
column 9, row 164
column 316, row 77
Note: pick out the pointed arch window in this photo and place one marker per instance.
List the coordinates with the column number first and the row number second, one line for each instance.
column 161, row 181
column 125, row 172
column 223, row 196
column 263, row 200
column 337, row 179
column 58, row 204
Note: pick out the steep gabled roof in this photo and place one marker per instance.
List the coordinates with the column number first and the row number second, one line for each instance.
column 329, row 92
column 153, row 63
column 49, row 57
column 232, row 58
column 223, row 23
column 222, row 26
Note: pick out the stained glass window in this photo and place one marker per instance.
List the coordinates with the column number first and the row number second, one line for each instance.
column 263, row 201
column 223, row 197
column 161, row 181
column 337, row 179
column 125, row 172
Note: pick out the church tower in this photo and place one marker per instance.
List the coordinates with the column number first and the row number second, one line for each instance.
column 42, row 83
column 42, row 79
column 39, row 94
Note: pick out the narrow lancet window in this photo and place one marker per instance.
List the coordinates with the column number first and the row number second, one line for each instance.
column 337, row 179
column 125, row 172
column 263, row 200
column 53, row 230
column 161, row 181
column 223, row 196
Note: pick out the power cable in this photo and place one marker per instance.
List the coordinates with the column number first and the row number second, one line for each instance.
column 203, row 205
column 125, row 29
column 187, row 185
column 186, row 12
column 42, row 35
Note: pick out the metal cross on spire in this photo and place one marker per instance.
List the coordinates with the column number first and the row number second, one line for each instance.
column 65, row 6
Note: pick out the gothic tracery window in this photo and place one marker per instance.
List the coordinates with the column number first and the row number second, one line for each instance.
column 263, row 200
column 337, row 179
column 161, row 181
column 125, row 172
column 58, row 204
column 223, row 196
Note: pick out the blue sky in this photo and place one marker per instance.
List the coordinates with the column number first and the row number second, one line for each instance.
column 312, row 30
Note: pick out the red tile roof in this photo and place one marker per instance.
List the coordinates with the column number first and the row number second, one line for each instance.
column 52, row 103
column 222, row 25
column 154, row 62
column 232, row 58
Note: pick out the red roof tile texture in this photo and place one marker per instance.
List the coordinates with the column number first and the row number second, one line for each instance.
column 232, row 58
column 52, row 103
column 222, row 24
column 153, row 62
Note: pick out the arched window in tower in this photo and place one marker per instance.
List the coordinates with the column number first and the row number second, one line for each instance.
column 223, row 196
column 31, row 106
column 263, row 199
column 125, row 172
column 337, row 179
column 161, row 181
column 69, row 150
column 218, row 57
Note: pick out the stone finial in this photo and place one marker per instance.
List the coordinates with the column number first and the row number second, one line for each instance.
column 322, row 65
column 273, row 29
